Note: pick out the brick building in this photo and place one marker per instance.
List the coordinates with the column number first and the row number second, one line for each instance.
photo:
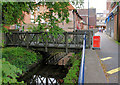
column 74, row 21
column 92, row 16
column 30, row 18
column 100, row 21
column 113, row 20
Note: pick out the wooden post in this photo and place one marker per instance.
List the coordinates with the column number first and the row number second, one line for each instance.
column 4, row 38
column 89, row 34
column 46, row 44
column 27, row 40
column 18, row 38
column 14, row 39
column 66, row 41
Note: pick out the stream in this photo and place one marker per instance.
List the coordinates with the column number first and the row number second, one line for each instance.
column 46, row 74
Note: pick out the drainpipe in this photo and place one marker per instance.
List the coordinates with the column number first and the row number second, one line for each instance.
column 88, row 14
column 118, row 33
column 74, row 19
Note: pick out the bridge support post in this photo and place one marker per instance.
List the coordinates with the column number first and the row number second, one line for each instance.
column 66, row 40
column 46, row 42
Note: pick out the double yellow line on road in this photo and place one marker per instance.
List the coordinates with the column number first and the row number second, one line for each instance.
column 103, row 59
column 113, row 71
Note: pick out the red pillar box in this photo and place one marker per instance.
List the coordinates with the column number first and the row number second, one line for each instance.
column 96, row 42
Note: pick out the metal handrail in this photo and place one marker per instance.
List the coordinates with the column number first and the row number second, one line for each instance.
column 81, row 73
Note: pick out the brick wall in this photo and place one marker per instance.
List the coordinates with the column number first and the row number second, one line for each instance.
column 119, row 24
column 67, row 26
column 27, row 18
column 63, row 61
column 115, row 20
column 70, row 26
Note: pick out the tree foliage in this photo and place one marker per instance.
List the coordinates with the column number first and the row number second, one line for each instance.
column 13, row 12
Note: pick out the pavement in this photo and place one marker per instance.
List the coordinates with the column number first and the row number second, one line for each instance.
column 93, row 70
column 101, row 66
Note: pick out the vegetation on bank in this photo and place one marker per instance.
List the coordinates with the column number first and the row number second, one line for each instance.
column 15, row 61
column 73, row 74
column 117, row 42
column 20, row 57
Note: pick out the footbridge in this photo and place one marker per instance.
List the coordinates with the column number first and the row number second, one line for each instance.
column 44, row 41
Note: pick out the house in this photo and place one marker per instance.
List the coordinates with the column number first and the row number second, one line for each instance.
column 113, row 20
column 92, row 16
column 74, row 21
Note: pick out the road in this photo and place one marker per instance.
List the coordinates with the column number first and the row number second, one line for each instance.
column 108, row 55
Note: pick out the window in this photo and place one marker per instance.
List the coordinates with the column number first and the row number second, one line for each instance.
column 97, row 20
column 63, row 23
column 38, row 9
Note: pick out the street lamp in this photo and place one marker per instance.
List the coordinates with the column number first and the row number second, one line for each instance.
column 88, row 14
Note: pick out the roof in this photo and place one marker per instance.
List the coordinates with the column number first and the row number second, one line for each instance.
column 70, row 7
column 77, row 14
column 92, row 12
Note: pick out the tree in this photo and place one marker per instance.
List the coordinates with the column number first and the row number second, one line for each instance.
column 58, row 12
column 78, row 3
column 13, row 12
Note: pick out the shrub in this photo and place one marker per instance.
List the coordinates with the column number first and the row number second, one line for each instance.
column 9, row 73
column 20, row 57
column 72, row 75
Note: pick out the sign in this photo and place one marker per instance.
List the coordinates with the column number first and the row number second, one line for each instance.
column 96, row 42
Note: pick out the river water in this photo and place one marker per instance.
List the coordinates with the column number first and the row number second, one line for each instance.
column 45, row 74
